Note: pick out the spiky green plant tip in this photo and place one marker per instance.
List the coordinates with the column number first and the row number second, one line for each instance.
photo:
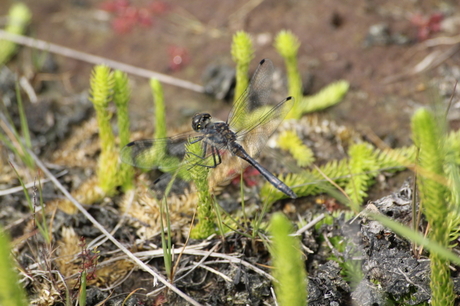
column 101, row 83
column 290, row 141
column 288, row 265
column 19, row 17
column 434, row 193
column 121, row 98
column 431, row 157
column 242, row 54
column 101, row 91
column 362, row 165
column 242, row 49
column 287, row 44
column 327, row 97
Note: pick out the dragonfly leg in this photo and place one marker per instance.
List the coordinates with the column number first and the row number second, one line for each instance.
column 195, row 140
column 217, row 161
column 205, row 149
column 214, row 151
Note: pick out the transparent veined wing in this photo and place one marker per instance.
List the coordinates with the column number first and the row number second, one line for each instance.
column 163, row 153
column 166, row 154
column 252, row 117
column 264, row 123
column 256, row 95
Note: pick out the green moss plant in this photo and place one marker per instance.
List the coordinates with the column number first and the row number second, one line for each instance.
column 168, row 163
column 19, row 17
column 362, row 166
column 326, row 97
column 121, row 98
column 290, row 141
column 199, row 174
column 434, row 194
column 287, row 45
column 288, row 266
column 313, row 182
column 101, row 91
column 11, row 292
column 242, row 54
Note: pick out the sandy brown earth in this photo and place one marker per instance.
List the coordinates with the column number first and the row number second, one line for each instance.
column 392, row 65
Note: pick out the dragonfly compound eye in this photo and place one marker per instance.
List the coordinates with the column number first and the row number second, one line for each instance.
column 200, row 121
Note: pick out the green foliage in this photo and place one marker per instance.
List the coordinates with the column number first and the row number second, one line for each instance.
column 82, row 290
column 328, row 96
column 166, row 239
column 40, row 218
column 11, row 292
column 428, row 140
column 242, row 54
column 199, row 175
column 434, row 194
column 288, row 266
column 362, row 168
column 22, row 116
column 451, row 170
column 15, row 143
column 287, row 44
column 290, row 142
column 19, row 17
column 121, row 99
column 168, row 162
column 351, row 268
column 160, row 113
column 102, row 84
column 314, row 182
column 417, row 237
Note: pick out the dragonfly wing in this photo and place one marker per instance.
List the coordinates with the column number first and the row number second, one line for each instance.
column 256, row 95
column 264, row 121
column 163, row 153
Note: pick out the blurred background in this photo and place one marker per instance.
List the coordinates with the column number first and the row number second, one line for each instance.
column 374, row 45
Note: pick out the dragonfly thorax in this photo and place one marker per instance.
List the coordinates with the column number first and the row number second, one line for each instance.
column 200, row 121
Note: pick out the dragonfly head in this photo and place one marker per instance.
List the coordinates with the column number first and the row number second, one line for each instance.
column 200, row 121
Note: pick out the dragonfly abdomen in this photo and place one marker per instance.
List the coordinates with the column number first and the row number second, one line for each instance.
column 239, row 151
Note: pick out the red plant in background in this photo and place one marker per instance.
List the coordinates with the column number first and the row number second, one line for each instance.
column 249, row 175
column 178, row 57
column 114, row 6
column 158, row 7
column 128, row 16
column 88, row 260
column 426, row 25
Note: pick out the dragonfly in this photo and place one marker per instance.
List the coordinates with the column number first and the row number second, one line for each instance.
column 244, row 134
